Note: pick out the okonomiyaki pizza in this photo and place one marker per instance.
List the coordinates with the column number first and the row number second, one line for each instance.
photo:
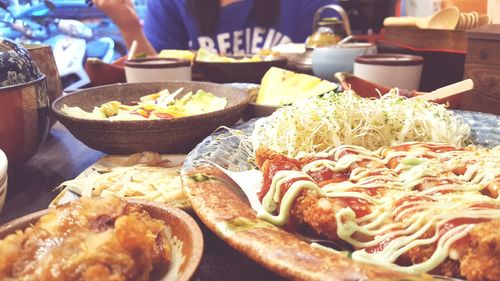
column 416, row 207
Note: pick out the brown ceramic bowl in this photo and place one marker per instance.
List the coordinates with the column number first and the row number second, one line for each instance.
column 24, row 121
column 178, row 135
column 231, row 72
column 369, row 89
column 182, row 227
column 101, row 73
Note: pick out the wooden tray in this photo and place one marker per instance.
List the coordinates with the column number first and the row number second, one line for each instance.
column 427, row 39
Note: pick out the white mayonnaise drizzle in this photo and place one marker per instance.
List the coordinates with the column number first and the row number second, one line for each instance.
column 422, row 211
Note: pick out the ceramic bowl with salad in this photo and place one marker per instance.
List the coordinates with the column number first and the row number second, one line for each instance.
column 236, row 69
column 164, row 117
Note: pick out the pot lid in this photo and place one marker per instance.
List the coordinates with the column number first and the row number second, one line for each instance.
column 16, row 64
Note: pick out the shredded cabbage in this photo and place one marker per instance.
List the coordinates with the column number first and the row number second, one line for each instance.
column 317, row 123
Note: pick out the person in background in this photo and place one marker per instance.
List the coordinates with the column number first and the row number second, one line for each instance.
column 223, row 26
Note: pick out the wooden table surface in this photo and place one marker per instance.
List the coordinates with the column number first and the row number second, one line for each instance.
column 62, row 157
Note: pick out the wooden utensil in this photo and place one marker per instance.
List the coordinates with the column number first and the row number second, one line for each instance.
column 133, row 49
column 484, row 19
column 476, row 18
column 462, row 22
column 448, row 91
column 471, row 22
column 443, row 19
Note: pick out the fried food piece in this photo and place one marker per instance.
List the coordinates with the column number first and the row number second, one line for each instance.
column 265, row 154
column 270, row 162
column 476, row 256
column 88, row 239
column 448, row 267
column 315, row 212
column 482, row 261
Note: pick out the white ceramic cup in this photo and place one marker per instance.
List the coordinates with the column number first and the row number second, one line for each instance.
column 157, row 70
column 391, row 70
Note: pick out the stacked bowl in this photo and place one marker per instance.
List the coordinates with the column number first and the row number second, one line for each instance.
column 3, row 178
column 24, row 104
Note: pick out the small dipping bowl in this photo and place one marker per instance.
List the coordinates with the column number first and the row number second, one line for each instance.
column 326, row 61
column 157, row 70
column 392, row 70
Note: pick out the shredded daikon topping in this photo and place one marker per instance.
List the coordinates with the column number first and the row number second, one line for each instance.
column 317, row 123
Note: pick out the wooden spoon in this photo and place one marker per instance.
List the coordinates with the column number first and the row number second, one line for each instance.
column 448, row 91
column 442, row 19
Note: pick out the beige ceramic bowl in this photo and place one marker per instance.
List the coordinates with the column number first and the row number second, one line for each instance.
column 182, row 231
column 157, row 70
column 392, row 70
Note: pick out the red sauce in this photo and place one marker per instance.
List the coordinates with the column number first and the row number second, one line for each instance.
column 404, row 147
column 325, row 176
column 459, row 221
column 380, row 246
column 375, row 173
column 464, row 241
column 372, row 191
column 443, row 148
column 361, row 163
column 338, row 179
column 269, row 170
column 432, row 182
column 393, row 163
column 347, row 151
column 286, row 185
column 485, row 206
column 430, row 147
column 493, row 189
column 308, row 159
column 408, row 202
column 411, row 198
column 427, row 156
column 361, row 207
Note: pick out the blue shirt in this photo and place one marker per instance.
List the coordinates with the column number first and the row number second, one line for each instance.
column 169, row 26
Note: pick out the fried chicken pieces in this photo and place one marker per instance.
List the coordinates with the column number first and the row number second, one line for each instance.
column 482, row 258
column 475, row 256
column 88, row 239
